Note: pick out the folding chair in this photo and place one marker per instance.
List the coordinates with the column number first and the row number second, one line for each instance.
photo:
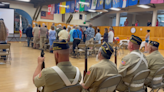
column 80, row 49
column 124, row 46
column 75, row 88
column 46, row 44
column 140, row 78
column 156, row 81
column 96, row 48
column 91, row 48
column 70, row 47
column 110, row 84
column 7, row 53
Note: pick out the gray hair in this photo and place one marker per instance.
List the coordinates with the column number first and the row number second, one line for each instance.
column 43, row 24
column 77, row 27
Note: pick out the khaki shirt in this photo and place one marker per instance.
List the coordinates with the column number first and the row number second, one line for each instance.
column 128, row 63
column 43, row 31
column 155, row 62
column 98, row 73
column 63, row 34
column 36, row 31
column 51, row 80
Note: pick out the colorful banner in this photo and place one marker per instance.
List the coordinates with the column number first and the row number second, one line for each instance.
column 49, row 9
column 77, row 5
column 133, row 2
column 63, row 8
column 56, row 8
column 94, row 3
column 100, row 4
column 156, row 1
column 108, row 4
column 124, row 3
column 72, row 6
column 87, row 7
column 68, row 8
column 144, row 1
column 116, row 3
column 59, row 8
column 82, row 6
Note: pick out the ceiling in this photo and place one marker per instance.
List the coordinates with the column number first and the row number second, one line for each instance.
column 39, row 2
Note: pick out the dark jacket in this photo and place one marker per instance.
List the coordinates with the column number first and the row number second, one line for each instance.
column 29, row 32
column 105, row 37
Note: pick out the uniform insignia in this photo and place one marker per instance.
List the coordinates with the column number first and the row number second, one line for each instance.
column 123, row 62
column 88, row 73
column 40, row 75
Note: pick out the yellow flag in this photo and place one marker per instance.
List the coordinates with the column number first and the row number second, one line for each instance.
column 63, row 8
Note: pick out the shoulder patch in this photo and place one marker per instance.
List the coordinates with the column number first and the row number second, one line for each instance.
column 88, row 73
column 123, row 62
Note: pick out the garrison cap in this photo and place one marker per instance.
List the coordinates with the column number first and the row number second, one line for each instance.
column 136, row 40
column 154, row 43
column 62, row 45
column 107, row 50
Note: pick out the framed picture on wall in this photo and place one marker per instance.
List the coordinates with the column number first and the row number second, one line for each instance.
column 44, row 15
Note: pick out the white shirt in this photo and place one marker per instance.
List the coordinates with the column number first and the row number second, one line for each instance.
column 63, row 34
column 110, row 37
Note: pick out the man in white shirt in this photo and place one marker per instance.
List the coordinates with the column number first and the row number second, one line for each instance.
column 110, row 36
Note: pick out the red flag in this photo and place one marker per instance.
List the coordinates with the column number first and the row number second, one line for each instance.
column 156, row 1
column 49, row 9
column 20, row 28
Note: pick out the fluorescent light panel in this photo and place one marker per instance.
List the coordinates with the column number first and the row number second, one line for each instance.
column 84, row 3
column 143, row 6
column 115, row 9
column 24, row 0
column 91, row 10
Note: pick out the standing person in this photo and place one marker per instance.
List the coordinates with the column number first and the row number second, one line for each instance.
column 84, row 37
column 110, row 36
column 58, row 30
column 35, row 33
column 137, row 23
column 157, row 23
column 77, row 36
column 105, row 38
column 148, row 23
column 63, row 34
column 98, row 36
column 47, row 31
column 3, row 35
column 71, row 34
column 43, row 33
column 52, row 37
column 52, row 78
column 81, row 31
column 147, row 38
column 53, row 24
column 126, row 22
column 29, row 34
column 90, row 33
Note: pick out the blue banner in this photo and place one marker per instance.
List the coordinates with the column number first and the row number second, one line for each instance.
column 72, row 6
column 124, row 3
column 144, row 1
column 56, row 9
column 100, row 4
column 87, row 7
column 108, row 4
column 68, row 8
column 116, row 3
column 133, row 2
column 77, row 5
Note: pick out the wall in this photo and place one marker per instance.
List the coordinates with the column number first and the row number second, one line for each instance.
column 143, row 19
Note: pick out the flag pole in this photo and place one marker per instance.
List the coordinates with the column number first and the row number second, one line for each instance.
column 20, row 29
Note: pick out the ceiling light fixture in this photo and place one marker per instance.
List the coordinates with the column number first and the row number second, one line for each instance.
column 91, row 10
column 24, row 0
column 84, row 3
column 143, row 6
column 115, row 9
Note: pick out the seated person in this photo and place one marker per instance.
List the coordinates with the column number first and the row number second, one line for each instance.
column 129, row 68
column 155, row 61
column 101, row 71
column 51, row 78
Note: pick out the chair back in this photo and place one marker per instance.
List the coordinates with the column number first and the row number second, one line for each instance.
column 110, row 84
column 90, row 45
column 46, row 41
column 74, row 88
column 4, row 46
column 137, row 82
column 81, row 46
column 158, row 75
column 97, row 45
column 70, row 43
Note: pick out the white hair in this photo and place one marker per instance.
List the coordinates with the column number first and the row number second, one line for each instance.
column 43, row 24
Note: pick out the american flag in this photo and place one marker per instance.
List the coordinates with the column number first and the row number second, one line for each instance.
column 20, row 28
column 45, row 15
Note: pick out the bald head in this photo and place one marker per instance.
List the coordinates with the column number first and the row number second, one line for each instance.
column 90, row 25
column 151, row 48
column 132, row 46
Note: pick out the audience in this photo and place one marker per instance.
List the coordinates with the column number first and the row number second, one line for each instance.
column 29, row 34
column 35, row 33
column 42, row 34
column 71, row 34
column 53, row 24
column 58, row 30
column 63, row 34
column 137, row 24
column 105, row 38
column 110, row 35
column 126, row 22
column 52, row 37
column 84, row 37
column 90, row 33
column 148, row 23
column 157, row 23
column 147, row 38
column 98, row 36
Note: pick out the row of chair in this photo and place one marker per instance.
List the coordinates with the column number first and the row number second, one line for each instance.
column 6, row 53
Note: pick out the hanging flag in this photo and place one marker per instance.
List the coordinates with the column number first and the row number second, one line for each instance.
column 156, row 1
column 72, row 6
column 116, row 3
column 133, row 2
column 94, row 3
column 20, row 27
column 77, row 6
column 144, row 1
column 49, row 9
column 87, row 7
column 63, row 8
column 82, row 6
column 59, row 8
column 68, row 8
column 124, row 3
column 108, row 4
column 100, row 4
column 56, row 8
column 52, row 8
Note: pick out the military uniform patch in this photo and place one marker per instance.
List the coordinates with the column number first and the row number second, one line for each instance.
column 88, row 73
column 123, row 62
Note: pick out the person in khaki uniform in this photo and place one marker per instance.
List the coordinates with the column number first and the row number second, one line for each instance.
column 43, row 33
column 130, row 67
column 51, row 78
column 155, row 61
column 99, row 72
column 35, row 33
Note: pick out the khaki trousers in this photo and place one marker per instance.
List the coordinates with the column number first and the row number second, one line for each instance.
column 42, row 42
column 89, row 42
